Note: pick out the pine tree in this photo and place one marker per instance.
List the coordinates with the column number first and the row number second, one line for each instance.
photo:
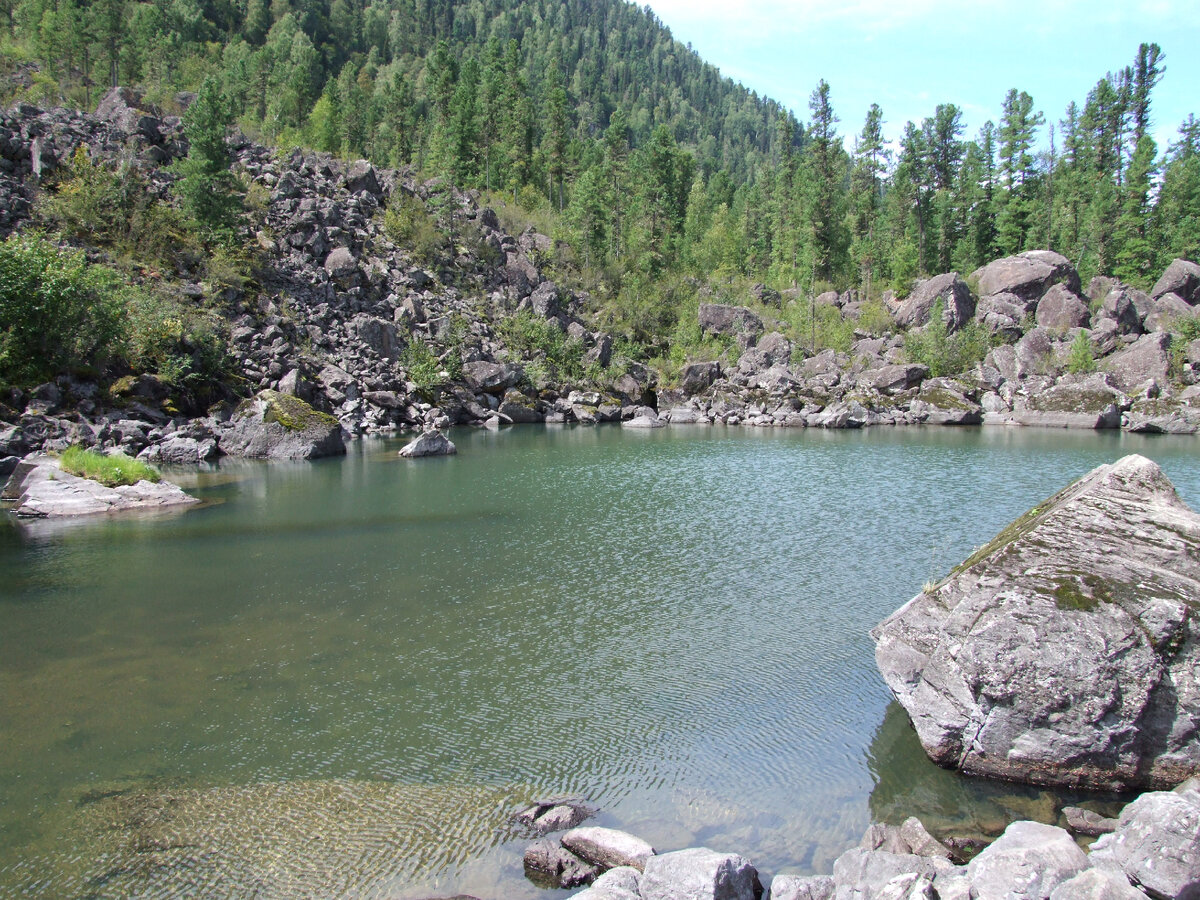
column 207, row 190
column 824, row 168
column 1018, row 130
column 866, row 194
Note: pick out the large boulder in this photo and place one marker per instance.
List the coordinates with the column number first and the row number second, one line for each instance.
column 1086, row 403
column 40, row 489
column 717, row 318
column 700, row 874
column 1064, row 651
column 1027, row 862
column 697, row 377
column 621, row 883
column 865, row 874
column 429, row 443
column 1181, row 277
column 1062, row 308
column 1027, row 275
column 1157, row 844
column 1149, row 357
column 958, row 306
column 272, row 425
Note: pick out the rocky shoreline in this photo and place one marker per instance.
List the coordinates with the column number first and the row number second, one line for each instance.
column 339, row 306
column 1152, row 849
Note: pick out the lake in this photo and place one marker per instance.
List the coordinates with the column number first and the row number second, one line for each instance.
column 341, row 678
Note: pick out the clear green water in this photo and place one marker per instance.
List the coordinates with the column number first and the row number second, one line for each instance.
column 340, row 678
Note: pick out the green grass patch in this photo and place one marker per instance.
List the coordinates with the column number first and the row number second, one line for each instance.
column 111, row 471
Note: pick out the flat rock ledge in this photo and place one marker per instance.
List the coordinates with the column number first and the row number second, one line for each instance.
column 1153, row 851
column 40, row 489
column 1066, row 651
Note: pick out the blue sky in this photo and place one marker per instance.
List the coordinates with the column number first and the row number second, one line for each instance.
column 910, row 55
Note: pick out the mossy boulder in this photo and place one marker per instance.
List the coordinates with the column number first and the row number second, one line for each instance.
column 272, row 425
column 1064, row 651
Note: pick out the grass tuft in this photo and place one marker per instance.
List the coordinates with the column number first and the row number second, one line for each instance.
column 111, row 471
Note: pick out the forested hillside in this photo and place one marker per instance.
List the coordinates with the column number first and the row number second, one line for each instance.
column 660, row 179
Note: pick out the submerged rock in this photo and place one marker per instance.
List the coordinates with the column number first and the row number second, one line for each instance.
column 1064, row 652
column 41, row 489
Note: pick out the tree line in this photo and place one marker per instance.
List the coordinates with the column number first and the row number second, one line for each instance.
column 649, row 164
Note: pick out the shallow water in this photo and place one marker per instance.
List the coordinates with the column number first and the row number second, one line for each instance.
column 374, row 661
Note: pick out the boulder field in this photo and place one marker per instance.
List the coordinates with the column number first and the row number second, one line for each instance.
column 340, row 310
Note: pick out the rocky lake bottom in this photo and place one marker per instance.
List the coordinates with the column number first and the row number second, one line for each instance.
column 343, row 677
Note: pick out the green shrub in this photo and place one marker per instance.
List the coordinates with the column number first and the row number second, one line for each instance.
column 57, row 312
column 1081, row 359
column 945, row 353
column 112, row 471
column 542, row 348
column 113, row 206
column 422, row 365
column 184, row 346
column 409, row 226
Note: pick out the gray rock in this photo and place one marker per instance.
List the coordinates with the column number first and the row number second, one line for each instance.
column 1027, row 862
column 1002, row 314
column 621, row 883
column 544, row 300
column 1060, row 307
column 716, row 318
column 894, row 379
column 272, row 425
column 943, row 401
column 1084, row 821
column 429, row 443
column 1097, row 884
column 958, row 306
column 361, row 177
column 558, row 865
column 1181, row 277
column 700, row 874
column 1149, row 357
column 1027, row 275
column 772, row 349
column 607, row 847
column 1168, row 311
column 1157, row 844
column 492, row 377
column 644, row 421
column 1090, row 403
column 181, row 450
column 698, row 377
column 1060, row 652
column 863, row 874
column 555, row 814
column 1119, row 306
column 41, row 489
column 340, row 262
column 796, row 887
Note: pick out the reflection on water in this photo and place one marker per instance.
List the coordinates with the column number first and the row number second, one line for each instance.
column 672, row 624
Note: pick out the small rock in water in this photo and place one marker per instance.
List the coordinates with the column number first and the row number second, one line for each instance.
column 555, row 814
column 1084, row 821
column 431, row 443
column 548, row 861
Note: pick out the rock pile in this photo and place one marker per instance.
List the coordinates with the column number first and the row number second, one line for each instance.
column 1153, row 850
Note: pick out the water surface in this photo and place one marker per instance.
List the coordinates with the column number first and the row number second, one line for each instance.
column 340, row 678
